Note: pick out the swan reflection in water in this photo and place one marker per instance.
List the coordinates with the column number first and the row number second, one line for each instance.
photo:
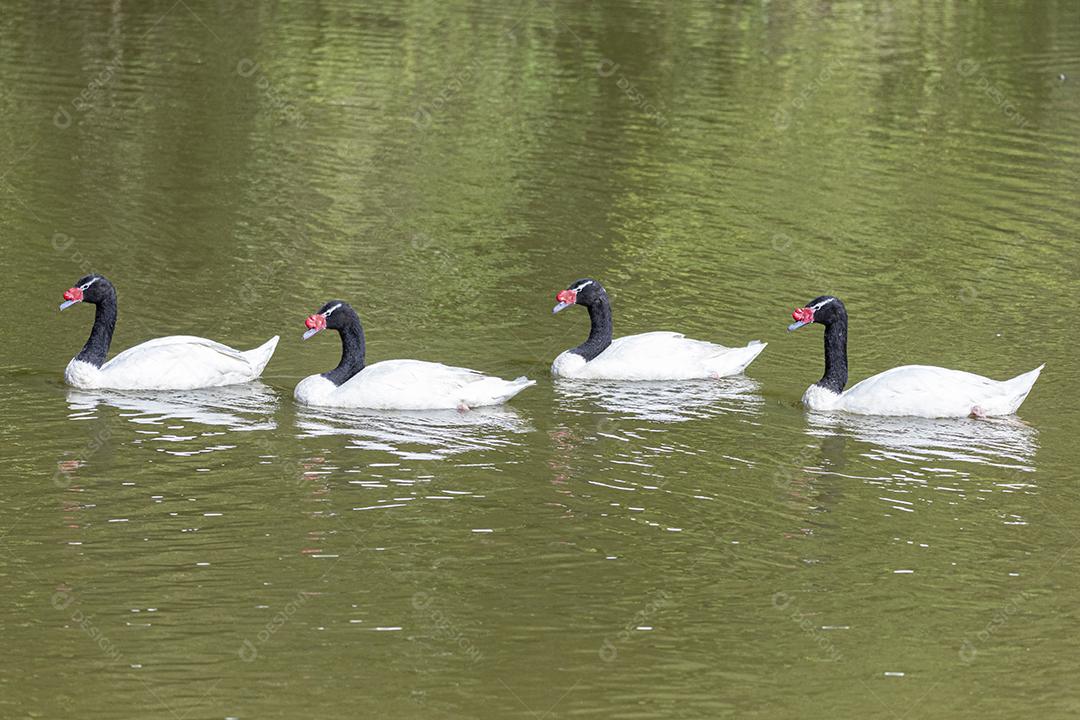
column 416, row 434
column 244, row 407
column 1005, row 442
column 668, row 401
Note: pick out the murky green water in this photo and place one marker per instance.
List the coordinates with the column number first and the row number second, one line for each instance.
column 694, row 550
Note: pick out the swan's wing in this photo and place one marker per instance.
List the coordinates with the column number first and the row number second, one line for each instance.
column 666, row 356
column 177, row 362
column 662, row 344
column 415, row 384
column 925, row 379
column 183, row 340
column 920, row 390
column 411, row 375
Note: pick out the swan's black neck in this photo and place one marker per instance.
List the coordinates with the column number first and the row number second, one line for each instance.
column 352, row 352
column 96, row 348
column 600, row 332
column 835, row 377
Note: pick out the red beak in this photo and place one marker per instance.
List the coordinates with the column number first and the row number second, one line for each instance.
column 801, row 316
column 566, row 298
column 71, row 296
column 315, row 324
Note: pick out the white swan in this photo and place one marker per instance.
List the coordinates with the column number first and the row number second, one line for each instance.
column 649, row 356
column 178, row 362
column 394, row 384
column 919, row 390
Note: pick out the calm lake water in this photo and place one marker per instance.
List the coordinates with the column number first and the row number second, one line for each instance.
column 684, row 550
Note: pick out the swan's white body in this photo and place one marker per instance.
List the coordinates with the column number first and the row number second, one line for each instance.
column 658, row 356
column 177, row 362
column 926, row 391
column 410, row 385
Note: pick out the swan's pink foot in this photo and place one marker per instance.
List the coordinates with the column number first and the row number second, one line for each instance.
column 462, row 407
column 977, row 411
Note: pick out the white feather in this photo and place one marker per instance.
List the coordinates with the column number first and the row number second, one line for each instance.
column 410, row 385
column 177, row 362
column 658, row 356
column 926, row 391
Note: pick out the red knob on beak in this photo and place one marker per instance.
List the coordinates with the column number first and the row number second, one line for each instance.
column 567, row 296
column 803, row 315
column 315, row 322
column 73, row 294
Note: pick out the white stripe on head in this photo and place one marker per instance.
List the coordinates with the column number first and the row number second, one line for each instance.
column 822, row 304
column 327, row 313
column 85, row 287
column 582, row 286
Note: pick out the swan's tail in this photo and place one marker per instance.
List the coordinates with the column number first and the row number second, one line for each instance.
column 754, row 348
column 261, row 355
column 1017, row 389
column 733, row 361
column 495, row 391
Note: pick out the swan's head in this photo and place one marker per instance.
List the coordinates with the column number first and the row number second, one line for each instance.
column 93, row 289
column 580, row 292
column 825, row 310
column 334, row 315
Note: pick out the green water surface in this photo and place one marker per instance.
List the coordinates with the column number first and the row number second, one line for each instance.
column 687, row 550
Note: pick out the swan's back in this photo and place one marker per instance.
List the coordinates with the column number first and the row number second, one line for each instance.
column 420, row 385
column 182, row 362
column 665, row 355
column 928, row 391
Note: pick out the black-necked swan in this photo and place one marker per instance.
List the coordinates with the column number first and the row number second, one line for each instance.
column 919, row 390
column 649, row 356
column 393, row 384
column 177, row 362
